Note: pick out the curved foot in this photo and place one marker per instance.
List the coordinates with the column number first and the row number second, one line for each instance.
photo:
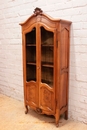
column 57, row 125
column 26, row 111
column 57, row 118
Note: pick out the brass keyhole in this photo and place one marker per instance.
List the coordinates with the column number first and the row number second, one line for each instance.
column 38, row 67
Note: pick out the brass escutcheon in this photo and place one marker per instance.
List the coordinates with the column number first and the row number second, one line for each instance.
column 38, row 110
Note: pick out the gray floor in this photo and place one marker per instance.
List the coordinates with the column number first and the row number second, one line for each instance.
column 12, row 117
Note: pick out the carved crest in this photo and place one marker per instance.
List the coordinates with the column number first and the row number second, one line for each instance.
column 37, row 11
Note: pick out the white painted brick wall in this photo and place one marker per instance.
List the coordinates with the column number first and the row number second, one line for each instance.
column 12, row 12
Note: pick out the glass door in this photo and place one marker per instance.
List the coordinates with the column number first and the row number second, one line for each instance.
column 47, row 94
column 31, row 65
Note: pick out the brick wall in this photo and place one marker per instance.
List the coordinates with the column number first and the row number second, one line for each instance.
column 12, row 12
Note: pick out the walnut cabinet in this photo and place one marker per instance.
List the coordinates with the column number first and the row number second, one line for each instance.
column 46, row 64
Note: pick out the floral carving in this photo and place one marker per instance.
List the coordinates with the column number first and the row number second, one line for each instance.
column 37, row 11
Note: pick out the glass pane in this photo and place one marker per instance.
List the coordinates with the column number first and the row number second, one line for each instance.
column 47, row 75
column 47, row 56
column 31, row 55
column 46, row 37
column 31, row 37
column 31, row 72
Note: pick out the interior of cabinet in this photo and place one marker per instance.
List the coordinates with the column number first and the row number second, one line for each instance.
column 31, row 55
column 47, row 54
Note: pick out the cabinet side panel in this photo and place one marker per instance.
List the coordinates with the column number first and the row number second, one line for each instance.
column 64, row 47
column 64, row 65
column 63, row 90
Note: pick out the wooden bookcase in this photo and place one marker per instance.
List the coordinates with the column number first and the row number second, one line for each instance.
column 46, row 64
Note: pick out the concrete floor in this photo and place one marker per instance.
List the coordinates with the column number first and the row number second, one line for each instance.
column 12, row 117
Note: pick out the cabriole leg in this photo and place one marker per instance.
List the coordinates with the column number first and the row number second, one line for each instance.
column 26, row 111
column 57, row 118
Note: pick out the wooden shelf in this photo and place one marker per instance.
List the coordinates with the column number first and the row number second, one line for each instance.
column 31, row 63
column 47, row 64
column 31, row 44
column 47, row 45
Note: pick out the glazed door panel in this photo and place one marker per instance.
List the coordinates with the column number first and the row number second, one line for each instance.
column 31, row 63
column 47, row 70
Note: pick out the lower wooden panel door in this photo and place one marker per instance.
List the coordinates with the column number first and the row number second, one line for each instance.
column 32, row 94
column 46, row 99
